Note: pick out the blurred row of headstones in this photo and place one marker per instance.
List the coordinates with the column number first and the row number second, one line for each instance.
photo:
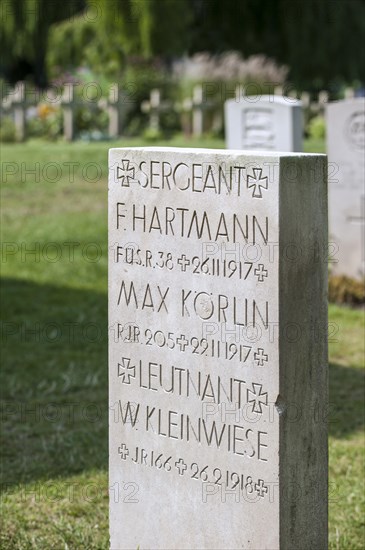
column 198, row 113
column 264, row 123
column 192, row 110
column 20, row 100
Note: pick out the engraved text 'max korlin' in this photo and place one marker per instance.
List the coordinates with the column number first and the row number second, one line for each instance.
column 192, row 224
column 240, row 311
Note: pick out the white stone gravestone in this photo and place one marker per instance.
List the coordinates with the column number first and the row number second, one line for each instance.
column 346, row 186
column 267, row 123
column 217, row 350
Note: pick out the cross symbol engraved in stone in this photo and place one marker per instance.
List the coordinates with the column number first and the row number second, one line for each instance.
column 261, row 272
column 123, row 451
column 257, row 182
column 183, row 261
column 361, row 221
column 259, row 356
column 256, row 397
column 125, row 371
column 182, row 342
column 181, row 466
column 261, row 488
column 126, row 173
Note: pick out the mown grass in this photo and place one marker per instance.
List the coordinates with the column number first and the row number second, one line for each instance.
column 54, row 358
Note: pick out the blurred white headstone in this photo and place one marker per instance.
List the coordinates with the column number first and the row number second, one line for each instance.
column 346, row 186
column 267, row 123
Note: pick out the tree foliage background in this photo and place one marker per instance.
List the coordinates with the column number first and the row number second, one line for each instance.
column 320, row 40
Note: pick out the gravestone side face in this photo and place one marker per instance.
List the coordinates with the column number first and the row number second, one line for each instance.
column 346, row 175
column 268, row 123
column 217, row 349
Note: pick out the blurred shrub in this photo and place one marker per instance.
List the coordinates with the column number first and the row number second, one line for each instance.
column 89, row 119
column 80, row 42
column 317, row 127
column 7, row 130
column 139, row 78
column 45, row 110
column 47, row 123
column 221, row 73
column 89, row 86
column 151, row 134
column 344, row 290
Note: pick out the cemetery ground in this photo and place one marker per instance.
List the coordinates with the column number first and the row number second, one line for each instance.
column 54, row 372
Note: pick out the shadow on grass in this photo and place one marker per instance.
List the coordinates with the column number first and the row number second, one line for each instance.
column 346, row 387
column 54, row 383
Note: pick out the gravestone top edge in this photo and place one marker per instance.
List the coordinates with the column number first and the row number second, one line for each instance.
column 346, row 101
column 272, row 99
column 223, row 152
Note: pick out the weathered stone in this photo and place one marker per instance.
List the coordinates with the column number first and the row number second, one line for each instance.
column 217, row 355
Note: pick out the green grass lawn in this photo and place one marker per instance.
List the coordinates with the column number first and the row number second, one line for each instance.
column 54, row 357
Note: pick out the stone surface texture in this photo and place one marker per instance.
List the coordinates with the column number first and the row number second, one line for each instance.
column 217, row 349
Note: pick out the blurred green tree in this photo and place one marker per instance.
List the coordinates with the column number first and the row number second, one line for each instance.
column 24, row 31
column 321, row 41
column 147, row 27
